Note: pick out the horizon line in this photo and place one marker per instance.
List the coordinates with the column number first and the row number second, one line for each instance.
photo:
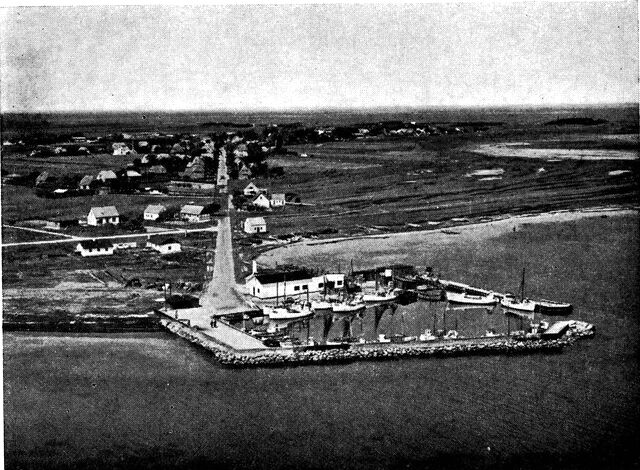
column 401, row 108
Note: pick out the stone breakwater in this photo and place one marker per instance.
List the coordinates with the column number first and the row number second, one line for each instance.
column 288, row 357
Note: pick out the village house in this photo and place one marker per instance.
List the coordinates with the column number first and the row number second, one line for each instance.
column 244, row 173
column 194, row 214
column 85, row 182
column 95, row 248
column 106, row 175
column 255, row 225
column 153, row 212
column 164, row 245
column 277, row 200
column 261, row 201
column 252, row 190
column 133, row 174
column 290, row 283
column 103, row 215
column 120, row 148
column 59, row 223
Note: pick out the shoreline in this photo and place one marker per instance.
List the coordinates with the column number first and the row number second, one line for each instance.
column 467, row 231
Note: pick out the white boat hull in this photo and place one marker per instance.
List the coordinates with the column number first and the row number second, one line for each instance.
column 458, row 298
column 346, row 308
column 523, row 306
column 379, row 298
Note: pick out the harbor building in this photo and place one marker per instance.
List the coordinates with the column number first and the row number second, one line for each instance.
column 271, row 284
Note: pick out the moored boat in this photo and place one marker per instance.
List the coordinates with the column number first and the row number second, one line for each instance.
column 509, row 301
column 281, row 313
column 470, row 299
column 549, row 307
column 348, row 307
column 380, row 297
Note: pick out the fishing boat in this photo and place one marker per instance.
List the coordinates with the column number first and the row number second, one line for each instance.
column 549, row 307
column 511, row 302
column 281, row 313
column 380, row 297
column 348, row 307
column 430, row 293
column 471, row 299
column 321, row 305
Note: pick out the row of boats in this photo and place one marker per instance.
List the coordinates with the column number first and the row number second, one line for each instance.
column 463, row 294
column 435, row 290
column 299, row 311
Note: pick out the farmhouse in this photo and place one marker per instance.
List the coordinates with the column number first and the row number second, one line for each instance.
column 255, row 225
column 164, row 245
column 194, row 214
column 106, row 175
column 103, row 215
column 94, row 248
column 261, row 201
column 153, row 212
column 292, row 282
column 277, row 200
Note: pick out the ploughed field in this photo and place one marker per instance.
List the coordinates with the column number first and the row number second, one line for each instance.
column 365, row 186
column 154, row 400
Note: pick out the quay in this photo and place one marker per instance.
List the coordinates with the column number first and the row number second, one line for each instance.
column 234, row 348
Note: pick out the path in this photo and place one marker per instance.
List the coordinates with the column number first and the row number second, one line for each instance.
column 29, row 229
column 111, row 237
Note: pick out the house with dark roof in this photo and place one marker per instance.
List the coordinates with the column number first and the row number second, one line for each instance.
column 164, row 245
column 274, row 283
column 95, row 248
column 103, row 215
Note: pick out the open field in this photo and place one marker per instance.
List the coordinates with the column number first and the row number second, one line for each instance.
column 429, row 181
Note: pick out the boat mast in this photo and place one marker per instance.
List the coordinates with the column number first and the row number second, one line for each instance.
column 522, row 286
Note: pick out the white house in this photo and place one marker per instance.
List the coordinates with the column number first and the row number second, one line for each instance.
column 255, row 225
column 120, row 148
column 261, row 201
column 251, row 190
column 103, row 215
column 277, row 200
column 164, row 246
column 94, row 248
column 106, row 175
column 194, row 214
column 291, row 283
column 153, row 212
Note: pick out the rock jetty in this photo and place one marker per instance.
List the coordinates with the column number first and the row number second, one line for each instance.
column 277, row 357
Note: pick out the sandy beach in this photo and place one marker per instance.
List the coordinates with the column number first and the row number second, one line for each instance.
column 364, row 248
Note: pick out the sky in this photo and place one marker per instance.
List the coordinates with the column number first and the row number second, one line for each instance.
column 279, row 57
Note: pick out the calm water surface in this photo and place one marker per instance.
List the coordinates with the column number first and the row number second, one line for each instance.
column 153, row 400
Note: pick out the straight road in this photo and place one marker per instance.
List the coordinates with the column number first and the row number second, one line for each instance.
column 112, row 237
